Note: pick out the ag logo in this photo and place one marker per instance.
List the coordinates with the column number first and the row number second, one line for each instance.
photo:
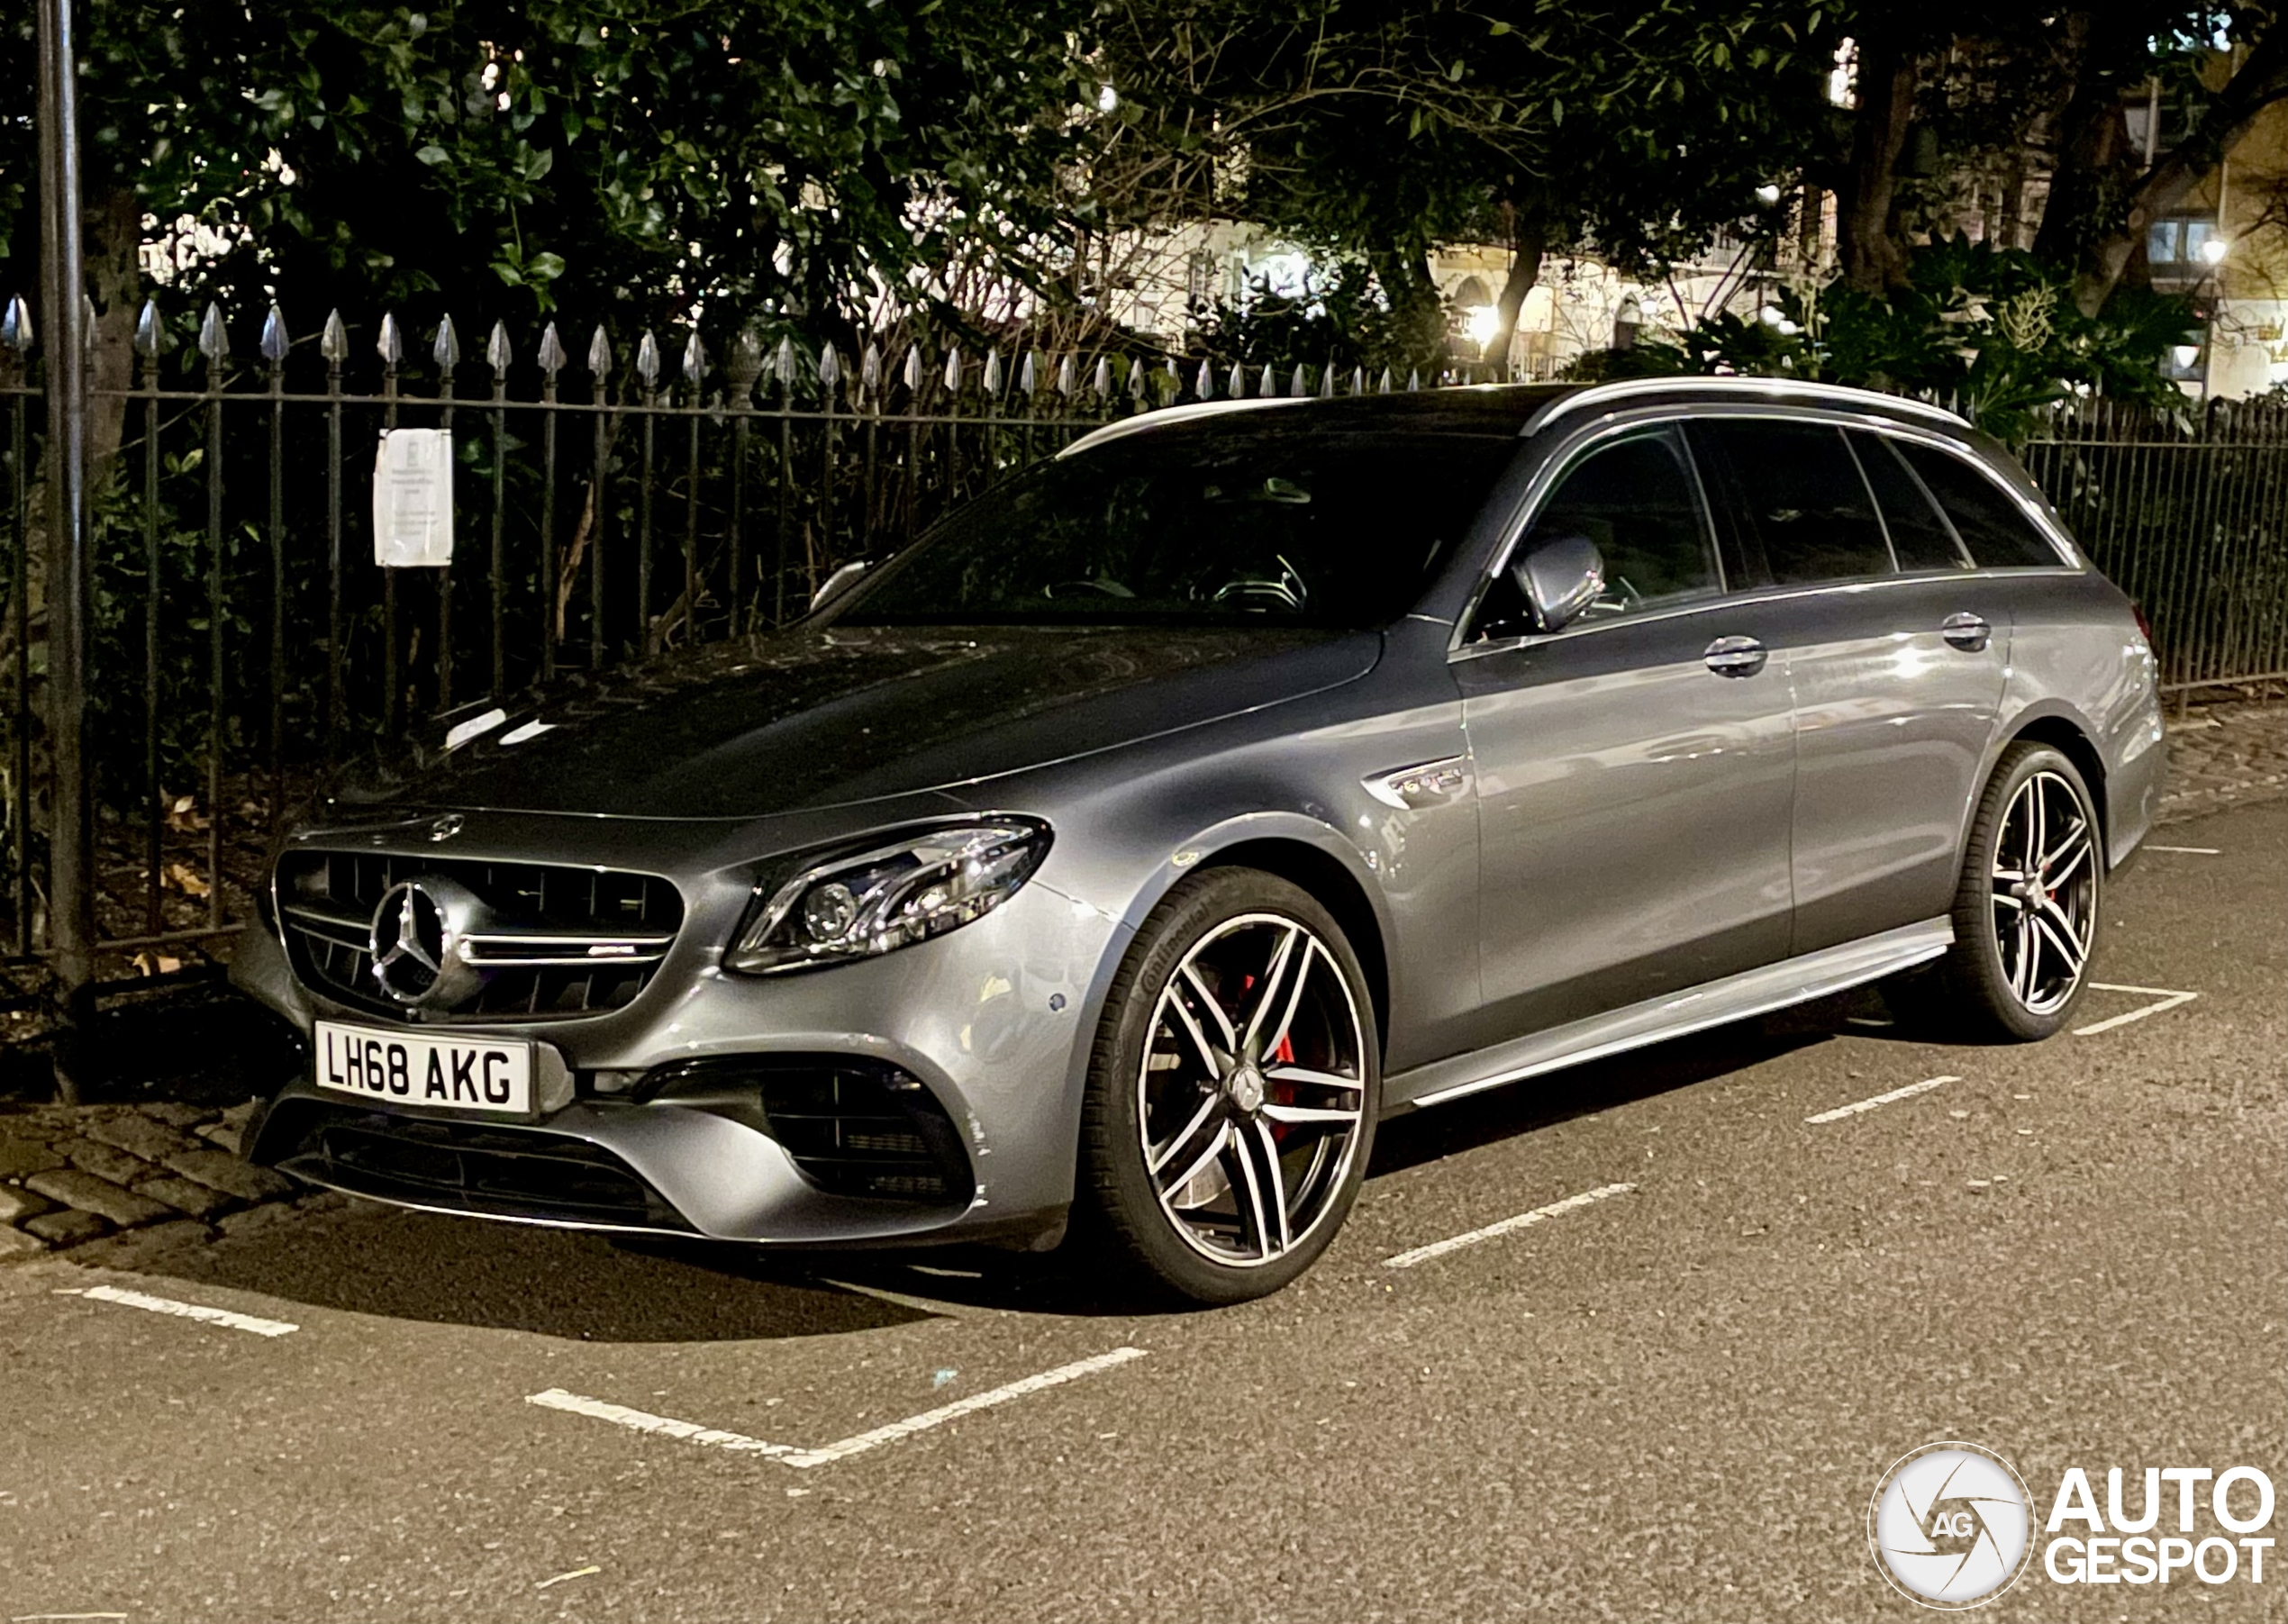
column 1948, row 1526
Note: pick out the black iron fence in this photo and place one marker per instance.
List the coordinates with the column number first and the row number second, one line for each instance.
column 612, row 501
column 2188, row 513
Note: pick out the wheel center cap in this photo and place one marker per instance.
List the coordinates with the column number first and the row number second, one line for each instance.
column 1246, row 1088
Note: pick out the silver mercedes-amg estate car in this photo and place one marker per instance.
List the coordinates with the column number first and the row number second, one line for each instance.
column 1115, row 858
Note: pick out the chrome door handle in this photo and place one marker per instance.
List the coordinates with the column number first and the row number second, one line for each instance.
column 1966, row 632
column 1735, row 657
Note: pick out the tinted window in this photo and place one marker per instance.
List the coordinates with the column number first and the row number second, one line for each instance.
column 1637, row 499
column 1803, row 499
column 1213, row 523
column 1992, row 526
column 1920, row 539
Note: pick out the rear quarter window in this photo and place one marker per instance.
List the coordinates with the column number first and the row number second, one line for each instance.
column 1993, row 528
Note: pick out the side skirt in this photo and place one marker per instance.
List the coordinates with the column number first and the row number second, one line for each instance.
column 1751, row 993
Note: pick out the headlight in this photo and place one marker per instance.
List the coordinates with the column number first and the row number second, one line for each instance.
column 921, row 885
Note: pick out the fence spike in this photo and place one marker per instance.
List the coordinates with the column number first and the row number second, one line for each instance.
column 1068, row 374
column 1101, row 382
column 1269, row 384
column 830, row 367
column 15, row 327
column 498, row 351
column 389, row 344
column 992, row 373
column 746, row 364
column 214, row 342
column 553, row 356
column 1298, row 384
column 1327, row 380
column 599, row 356
column 953, row 370
column 786, row 364
column 1358, row 380
column 446, row 350
column 1383, row 384
column 1139, row 384
column 1027, row 377
column 150, row 338
column 1238, row 386
column 695, row 359
column 911, row 371
column 87, row 320
column 1414, row 380
column 275, row 343
column 333, row 339
column 1203, row 386
column 870, row 368
column 647, row 359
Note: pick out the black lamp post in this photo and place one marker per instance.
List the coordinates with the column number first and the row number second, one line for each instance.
column 71, row 920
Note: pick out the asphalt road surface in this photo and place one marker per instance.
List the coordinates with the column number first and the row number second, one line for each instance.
column 1674, row 1401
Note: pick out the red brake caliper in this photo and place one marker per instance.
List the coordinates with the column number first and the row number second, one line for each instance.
column 1282, row 1092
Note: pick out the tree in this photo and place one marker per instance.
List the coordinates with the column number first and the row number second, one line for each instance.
column 645, row 160
column 2104, row 195
column 1379, row 129
column 2071, row 72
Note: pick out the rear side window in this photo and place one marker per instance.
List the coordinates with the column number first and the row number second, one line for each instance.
column 1992, row 526
column 1920, row 539
column 1798, row 489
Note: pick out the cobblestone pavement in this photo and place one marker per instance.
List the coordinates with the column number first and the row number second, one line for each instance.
column 137, row 1178
column 2221, row 755
column 127, row 1179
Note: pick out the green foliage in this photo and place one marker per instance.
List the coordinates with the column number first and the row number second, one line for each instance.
column 1995, row 333
column 1340, row 320
column 1377, row 127
column 511, row 157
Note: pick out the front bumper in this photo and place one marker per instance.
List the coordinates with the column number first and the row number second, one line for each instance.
column 994, row 1021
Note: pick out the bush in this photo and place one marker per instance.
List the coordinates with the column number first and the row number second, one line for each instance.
column 1993, row 332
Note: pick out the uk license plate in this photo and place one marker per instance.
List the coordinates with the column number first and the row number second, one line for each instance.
column 472, row 1073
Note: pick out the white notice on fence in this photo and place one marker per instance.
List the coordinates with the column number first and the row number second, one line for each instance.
column 413, row 499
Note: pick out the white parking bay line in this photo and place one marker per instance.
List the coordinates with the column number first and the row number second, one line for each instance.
column 620, row 1415
column 2189, row 851
column 2168, row 1000
column 556, row 1398
column 184, row 1310
column 1908, row 1093
column 1493, row 1231
column 896, row 1431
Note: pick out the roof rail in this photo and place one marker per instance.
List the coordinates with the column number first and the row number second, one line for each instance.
column 1121, row 426
column 1778, row 388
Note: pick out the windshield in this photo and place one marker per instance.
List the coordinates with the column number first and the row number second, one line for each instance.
column 1213, row 523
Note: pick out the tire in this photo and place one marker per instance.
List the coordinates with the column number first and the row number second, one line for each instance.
column 2020, row 961
column 1231, row 1094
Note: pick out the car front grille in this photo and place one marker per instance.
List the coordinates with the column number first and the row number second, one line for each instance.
column 557, row 941
column 853, row 1125
column 469, row 1167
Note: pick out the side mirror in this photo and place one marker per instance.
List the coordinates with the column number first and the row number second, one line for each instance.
column 839, row 583
column 1560, row 578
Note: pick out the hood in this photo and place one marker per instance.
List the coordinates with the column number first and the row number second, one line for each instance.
column 806, row 720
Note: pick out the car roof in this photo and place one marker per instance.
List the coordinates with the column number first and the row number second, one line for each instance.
column 1510, row 410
